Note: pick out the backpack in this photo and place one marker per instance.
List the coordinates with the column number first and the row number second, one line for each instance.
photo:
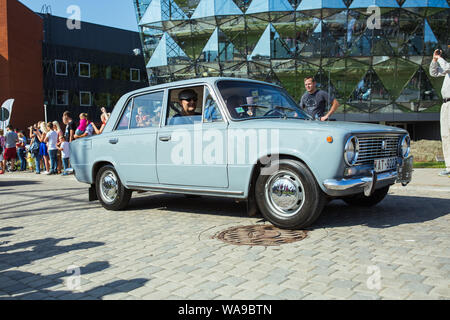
column 34, row 148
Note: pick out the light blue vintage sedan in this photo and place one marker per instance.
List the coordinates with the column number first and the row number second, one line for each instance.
column 240, row 139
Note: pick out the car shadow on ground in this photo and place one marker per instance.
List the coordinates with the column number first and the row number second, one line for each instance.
column 394, row 210
column 15, row 183
column 189, row 204
column 16, row 284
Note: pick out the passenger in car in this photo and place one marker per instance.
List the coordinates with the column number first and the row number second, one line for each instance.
column 156, row 116
column 142, row 119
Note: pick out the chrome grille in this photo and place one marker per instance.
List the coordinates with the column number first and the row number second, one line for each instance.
column 377, row 147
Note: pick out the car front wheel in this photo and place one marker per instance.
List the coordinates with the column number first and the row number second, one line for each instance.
column 288, row 196
column 110, row 190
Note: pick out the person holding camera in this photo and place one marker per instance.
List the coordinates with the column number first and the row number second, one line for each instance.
column 441, row 68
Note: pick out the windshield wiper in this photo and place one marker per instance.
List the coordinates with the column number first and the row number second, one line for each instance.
column 254, row 105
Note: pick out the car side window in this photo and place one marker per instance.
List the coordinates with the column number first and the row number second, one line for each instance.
column 147, row 110
column 211, row 111
column 185, row 106
column 125, row 119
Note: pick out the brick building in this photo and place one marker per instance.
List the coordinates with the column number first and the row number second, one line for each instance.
column 21, row 62
column 42, row 61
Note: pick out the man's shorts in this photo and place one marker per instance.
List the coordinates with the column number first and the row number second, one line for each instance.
column 10, row 154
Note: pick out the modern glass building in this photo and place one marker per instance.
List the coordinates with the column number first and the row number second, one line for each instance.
column 372, row 55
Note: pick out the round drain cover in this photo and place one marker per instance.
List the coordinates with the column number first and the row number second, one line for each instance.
column 260, row 235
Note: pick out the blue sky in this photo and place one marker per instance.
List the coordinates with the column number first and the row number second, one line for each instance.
column 113, row 13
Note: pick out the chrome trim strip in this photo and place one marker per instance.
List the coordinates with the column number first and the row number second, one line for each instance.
column 185, row 190
column 345, row 184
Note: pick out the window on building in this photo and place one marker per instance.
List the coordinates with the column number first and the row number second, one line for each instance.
column 62, row 97
column 135, row 75
column 85, row 98
column 108, row 72
column 61, row 67
column 84, row 69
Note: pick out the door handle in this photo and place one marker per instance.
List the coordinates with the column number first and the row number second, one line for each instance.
column 113, row 140
column 165, row 138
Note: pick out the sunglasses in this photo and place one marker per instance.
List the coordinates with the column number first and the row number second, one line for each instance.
column 192, row 99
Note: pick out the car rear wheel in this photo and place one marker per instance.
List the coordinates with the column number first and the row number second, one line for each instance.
column 288, row 196
column 110, row 190
column 362, row 201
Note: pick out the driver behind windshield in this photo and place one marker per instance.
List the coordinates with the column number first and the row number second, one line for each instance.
column 239, row 108
column 188, row 102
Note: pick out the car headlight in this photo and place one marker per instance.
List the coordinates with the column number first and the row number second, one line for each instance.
column 405, row 146
column 351, row 150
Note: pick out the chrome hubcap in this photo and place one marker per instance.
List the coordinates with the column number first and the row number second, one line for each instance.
column 109, row 186
column 284, row 193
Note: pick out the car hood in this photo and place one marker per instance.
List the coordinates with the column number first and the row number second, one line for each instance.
column 341, row 126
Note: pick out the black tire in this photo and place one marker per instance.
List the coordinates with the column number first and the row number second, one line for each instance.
column 297, row 201
column 110, row 191
column 361, row 200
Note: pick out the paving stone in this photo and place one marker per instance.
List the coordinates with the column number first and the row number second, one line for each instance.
column 210, row 285
column 185, row 292
column 339, row 293
column 363, row 296
column 397, row 294
column 233, row 281
column 315, row 288
column 443, row 291
column 345, row 284
column 290, row 294
column 228, row 291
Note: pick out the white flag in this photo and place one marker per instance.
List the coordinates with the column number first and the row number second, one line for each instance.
column 5, row 116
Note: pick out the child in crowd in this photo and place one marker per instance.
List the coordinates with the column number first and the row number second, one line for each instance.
column 57, row 128
column 83, row 124
column 21, row 151
column 65, row 154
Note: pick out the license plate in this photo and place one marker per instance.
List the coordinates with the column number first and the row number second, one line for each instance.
column 385, row 164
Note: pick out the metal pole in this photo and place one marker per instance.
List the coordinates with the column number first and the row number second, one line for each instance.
column 45, row 113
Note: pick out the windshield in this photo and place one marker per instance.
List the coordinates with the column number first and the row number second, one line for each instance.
column 250, row 100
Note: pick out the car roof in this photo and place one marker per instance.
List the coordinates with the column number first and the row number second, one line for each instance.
column 209, row 80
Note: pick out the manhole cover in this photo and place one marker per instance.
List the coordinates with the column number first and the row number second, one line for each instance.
column 260, row 235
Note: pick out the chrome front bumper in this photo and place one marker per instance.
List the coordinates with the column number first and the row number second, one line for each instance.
column 369, row 183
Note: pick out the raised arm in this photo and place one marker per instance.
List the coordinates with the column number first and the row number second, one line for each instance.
column 438, row 66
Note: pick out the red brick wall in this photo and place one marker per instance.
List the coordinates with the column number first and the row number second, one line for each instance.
column 4, row 69
column 21, row 78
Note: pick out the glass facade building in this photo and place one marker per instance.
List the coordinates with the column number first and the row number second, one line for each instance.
column 372, row 55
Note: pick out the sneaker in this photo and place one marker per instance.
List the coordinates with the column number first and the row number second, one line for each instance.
column 2, row 172
column 64, row 174
column 46, row 172
column 38, row 173
column 444, row 173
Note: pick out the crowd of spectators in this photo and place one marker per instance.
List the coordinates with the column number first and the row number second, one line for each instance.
column 45, row 146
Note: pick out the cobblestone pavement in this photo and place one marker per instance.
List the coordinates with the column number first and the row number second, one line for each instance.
column 54, row 244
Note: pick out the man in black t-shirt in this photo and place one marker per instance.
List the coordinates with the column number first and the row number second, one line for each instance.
column 70, row 126
column 315, row 102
